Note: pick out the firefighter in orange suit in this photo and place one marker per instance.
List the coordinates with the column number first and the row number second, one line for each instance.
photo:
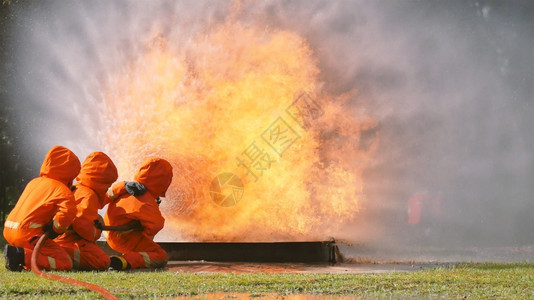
column 46, row 205
column 136, row 245
column 97, row 174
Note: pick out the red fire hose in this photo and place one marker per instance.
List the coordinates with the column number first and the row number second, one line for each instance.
column 93, row 287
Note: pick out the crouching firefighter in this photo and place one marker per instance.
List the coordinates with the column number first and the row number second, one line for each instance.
column 46, row 205
column 97, row 174
column 140, row 204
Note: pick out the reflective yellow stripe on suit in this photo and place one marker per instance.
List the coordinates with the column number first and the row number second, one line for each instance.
column 52, row 262
column 15, row 225
column 35, row 225
column 76, row 258
column 11, row 224
column 146, row 258
column 60, row 228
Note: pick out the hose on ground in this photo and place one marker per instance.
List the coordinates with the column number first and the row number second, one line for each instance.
column 93, row 287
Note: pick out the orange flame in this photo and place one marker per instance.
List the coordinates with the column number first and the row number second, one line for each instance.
column 245, row 101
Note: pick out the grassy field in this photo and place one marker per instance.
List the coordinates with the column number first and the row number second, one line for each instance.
column 460, row 281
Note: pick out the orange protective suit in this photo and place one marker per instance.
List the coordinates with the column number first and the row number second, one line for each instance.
column 45, row 199
column 137, row 247
column 97, row 174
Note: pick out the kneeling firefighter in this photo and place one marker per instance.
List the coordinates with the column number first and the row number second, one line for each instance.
column 46, row 205
column 97, row 174
column 136, row 245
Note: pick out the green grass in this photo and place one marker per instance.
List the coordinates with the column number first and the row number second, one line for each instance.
column 461, row 281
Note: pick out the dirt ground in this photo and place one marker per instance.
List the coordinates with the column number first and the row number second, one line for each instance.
column 362, row 259
column 340, row 268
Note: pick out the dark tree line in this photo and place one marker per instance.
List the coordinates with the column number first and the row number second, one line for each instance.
column 14, row 169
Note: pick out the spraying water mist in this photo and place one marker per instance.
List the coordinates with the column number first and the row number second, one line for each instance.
column 446, row 89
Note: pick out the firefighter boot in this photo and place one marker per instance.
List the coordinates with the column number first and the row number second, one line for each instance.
column 14, row 258
column 118, row 263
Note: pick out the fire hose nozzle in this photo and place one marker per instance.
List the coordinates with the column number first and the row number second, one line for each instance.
column 133, row 225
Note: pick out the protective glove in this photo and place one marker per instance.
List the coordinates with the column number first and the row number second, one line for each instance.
column 136, row 225
column 114, row 192
column 49, row 229
column 98, row 224
column 134, row 188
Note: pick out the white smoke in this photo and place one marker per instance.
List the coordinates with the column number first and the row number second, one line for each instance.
column 449, row 83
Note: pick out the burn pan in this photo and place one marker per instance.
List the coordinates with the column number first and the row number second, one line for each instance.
column 298, row 252
column 309, row 252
